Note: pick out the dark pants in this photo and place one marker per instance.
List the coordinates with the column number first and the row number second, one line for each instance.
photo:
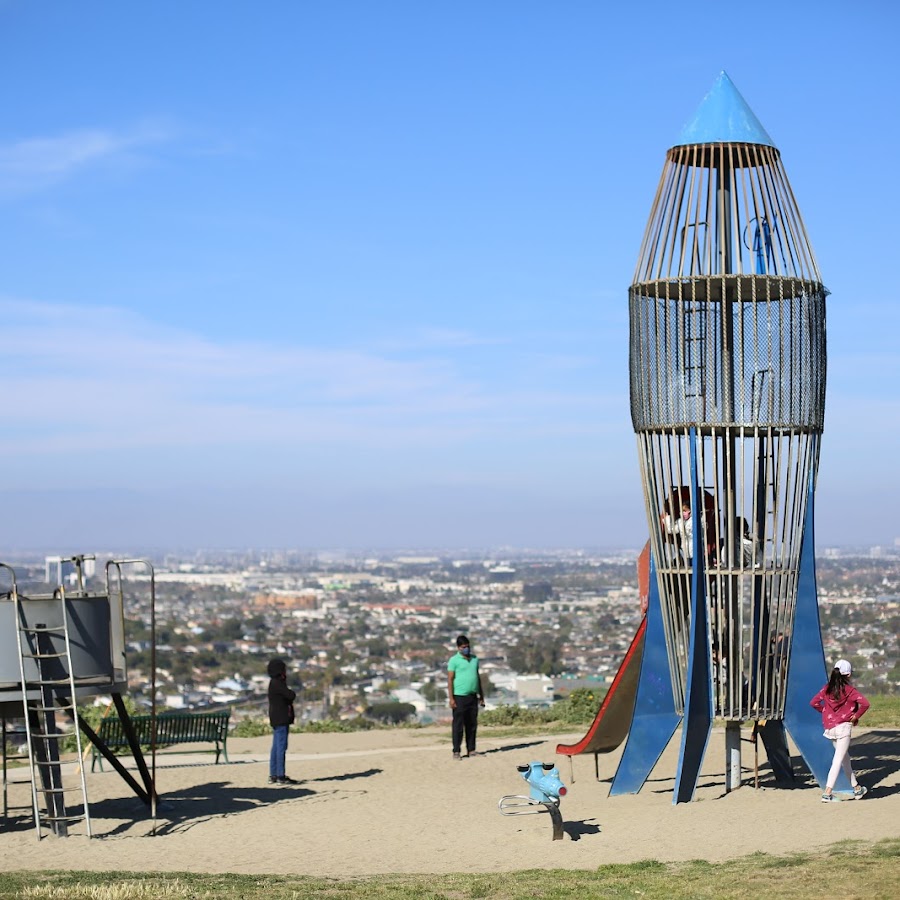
column 465, row 719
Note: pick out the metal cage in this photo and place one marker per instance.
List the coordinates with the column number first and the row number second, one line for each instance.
column 727, row 314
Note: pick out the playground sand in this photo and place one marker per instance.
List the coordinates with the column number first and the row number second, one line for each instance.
column 395, row 801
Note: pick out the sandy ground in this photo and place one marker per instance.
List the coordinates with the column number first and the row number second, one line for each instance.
column 395, row 801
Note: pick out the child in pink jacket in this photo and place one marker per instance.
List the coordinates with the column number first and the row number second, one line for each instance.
column 842, row 706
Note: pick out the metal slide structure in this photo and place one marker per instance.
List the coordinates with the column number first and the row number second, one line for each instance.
column 613, row 720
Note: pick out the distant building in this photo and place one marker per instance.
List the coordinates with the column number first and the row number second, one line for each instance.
column 413, row 697
column 537, row 592
column 534, row 688
column 565, row 685
column 287, row 600
column 501, row 574
column 65, row 569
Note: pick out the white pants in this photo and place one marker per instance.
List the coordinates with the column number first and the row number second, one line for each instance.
column 840, row 737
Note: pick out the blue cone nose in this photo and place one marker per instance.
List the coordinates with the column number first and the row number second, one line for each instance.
column 724, row 117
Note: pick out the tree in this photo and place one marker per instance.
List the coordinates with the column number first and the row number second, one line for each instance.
column 232, row 629
column 391, row 712
column 434, row 694
column 539, row 653
column 255, row 623
column 378, row 647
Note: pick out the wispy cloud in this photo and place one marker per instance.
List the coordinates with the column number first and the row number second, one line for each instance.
column 35, row 163
column 107, row 378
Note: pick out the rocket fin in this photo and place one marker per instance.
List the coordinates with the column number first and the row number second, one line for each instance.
column 807, row 671
column 698, row 705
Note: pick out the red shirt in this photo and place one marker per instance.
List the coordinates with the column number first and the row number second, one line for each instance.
column 850, row 705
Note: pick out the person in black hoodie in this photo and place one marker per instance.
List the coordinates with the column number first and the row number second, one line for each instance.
column 281, row 717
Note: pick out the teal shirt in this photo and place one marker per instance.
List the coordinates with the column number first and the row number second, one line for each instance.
column 465, row 674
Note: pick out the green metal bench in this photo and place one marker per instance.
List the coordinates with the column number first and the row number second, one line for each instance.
column 171, row 729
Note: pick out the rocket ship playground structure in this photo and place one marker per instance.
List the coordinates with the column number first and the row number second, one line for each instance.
column 727, row 375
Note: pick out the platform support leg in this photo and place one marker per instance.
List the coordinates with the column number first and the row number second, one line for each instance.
column 732, row 755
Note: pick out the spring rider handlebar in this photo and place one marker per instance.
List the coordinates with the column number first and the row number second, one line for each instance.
column 546, row 788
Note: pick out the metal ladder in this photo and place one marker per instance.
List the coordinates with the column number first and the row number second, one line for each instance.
column 694, row 331
column 55, row 681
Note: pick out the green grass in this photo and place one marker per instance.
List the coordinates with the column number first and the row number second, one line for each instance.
column 885, row 712
column 848, row 870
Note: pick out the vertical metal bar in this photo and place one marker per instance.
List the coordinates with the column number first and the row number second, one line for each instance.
column 151, row 787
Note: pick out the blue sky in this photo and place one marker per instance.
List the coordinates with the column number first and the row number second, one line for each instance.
column 354, row 274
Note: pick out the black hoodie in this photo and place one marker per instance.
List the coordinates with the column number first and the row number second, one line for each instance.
column 281, row 697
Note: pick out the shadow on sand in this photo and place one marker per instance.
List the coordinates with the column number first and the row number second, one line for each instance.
column 182, row 809
column 575, row 830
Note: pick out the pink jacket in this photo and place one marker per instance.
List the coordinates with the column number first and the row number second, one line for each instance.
column 850, row 705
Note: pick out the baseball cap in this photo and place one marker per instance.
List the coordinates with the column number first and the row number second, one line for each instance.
column 843, row 667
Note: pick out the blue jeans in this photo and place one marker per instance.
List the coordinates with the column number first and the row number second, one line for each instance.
column 279, row 749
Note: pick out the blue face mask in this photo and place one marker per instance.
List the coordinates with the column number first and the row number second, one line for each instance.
column 466, row 651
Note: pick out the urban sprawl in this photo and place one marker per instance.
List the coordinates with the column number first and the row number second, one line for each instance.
column 358, row 631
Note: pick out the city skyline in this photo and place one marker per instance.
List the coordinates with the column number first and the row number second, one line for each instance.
column 357, row 276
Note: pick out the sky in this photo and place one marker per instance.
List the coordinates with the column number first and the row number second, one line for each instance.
column 355, row 274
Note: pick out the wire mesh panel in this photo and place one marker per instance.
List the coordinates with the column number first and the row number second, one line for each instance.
column 727, row 315
column 725, row 351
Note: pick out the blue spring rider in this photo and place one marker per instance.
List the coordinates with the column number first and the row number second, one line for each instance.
column 546, row 788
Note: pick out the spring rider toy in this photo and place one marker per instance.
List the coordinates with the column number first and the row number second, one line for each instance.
column 546, row 789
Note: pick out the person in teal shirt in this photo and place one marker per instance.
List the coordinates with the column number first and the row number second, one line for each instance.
column 466, row 695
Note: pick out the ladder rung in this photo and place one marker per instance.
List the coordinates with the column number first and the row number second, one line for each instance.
column 43, row 655
column 75, row 818
column 49, row 735
column 49, row 682
column 59, row 790
column 43, row 629
column 46, row 709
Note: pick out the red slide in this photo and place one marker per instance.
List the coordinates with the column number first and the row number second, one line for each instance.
column 613, row 719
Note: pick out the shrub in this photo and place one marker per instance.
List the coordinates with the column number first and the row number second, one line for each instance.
column 93, row 715
column 330, row 726
column 516, row 715
column 580, row 707
column 254, row 726
column 391, row 711
column 258, row 726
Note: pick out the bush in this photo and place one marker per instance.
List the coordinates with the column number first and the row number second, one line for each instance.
column 391, row 712
column 254, row 726
column 580, row 707
column 331, row 726
column 516, row 715
column 258, row 726
column 93, row 715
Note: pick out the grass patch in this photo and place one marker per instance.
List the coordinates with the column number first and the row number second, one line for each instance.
column 851, row 870
column 884, row 713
